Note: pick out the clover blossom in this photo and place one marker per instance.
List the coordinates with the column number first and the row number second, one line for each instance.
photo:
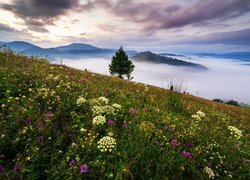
column 106, row 143
column 80, row 101
column 99, row 120
column 103, row 100
column 117, row 106
column 237, row 134
column 209, row 171
column 84, row 168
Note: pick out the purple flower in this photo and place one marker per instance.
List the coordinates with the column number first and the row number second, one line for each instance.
column 166, row 127
column 186, row 154
column 110, row 122
column 125, row 124
column 156, row 142
column 247, row 160
column 40, row 139
column 209, row 164
column 132, row 110
column 48, row 114
column 40, row 125
column 144, row 109
column 84, row 168
column 72, row 162
column 28, row 121
column 18, row 168
column 1, row 168
column 171, row 130
column 248, row 142
column 188, row 145
column 173, row 142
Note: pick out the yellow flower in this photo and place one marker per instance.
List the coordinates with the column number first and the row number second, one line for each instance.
column 3, row 106
column 28, row 158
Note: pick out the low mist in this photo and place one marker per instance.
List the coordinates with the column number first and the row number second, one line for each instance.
column 225, row 79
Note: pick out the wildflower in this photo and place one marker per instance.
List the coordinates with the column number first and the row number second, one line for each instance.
column 110, row 122
column 173, row 141
column 188, row 145
column 235, row 132
column 1, row 168
column 84, row 168
column 48, row 114
column 99, row 120
column 72, row 162
column 110, row 133
column 28, row 121
column 80, row 101
column 132, row 110
column 247, row 160
column 209, row 171
column 40, row 125
column 201, row 114
column 196, row 117
column 103, row 100
column 117, row 106
column 40, row 139
column 3, row 106
column 18, row 168
column 186, row 154
column 144, row 109
column 106, row 143
column 125, row 124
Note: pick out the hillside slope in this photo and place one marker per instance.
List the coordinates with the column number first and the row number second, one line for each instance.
column 57, row 122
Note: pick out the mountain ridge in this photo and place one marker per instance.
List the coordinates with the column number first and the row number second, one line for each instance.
column 148, row 56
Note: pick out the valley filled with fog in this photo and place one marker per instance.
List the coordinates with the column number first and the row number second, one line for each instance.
column 226, row 79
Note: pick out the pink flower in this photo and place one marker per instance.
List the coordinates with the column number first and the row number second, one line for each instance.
column 132, row 110
column 72, row 162
column 110, row 122
column 40, row 139
column 173, row 142
column 186, row 154
column 48, row 114
column 84, row 168
column 125, row 124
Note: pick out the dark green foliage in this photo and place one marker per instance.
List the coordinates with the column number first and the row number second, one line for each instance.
column 232, row 102
column 121, row 65
column 218, row 100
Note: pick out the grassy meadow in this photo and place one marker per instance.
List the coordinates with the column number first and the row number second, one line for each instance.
column 57, row 122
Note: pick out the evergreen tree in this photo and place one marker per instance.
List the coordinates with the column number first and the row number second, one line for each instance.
column 121, row 65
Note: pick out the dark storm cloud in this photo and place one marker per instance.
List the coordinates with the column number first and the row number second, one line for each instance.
column 6, row 28
column 205, row 11
column 37, row 13
column 157, row 16
column 39, row 8
column 241, row 37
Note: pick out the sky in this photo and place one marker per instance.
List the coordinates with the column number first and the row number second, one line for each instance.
column 183, row 26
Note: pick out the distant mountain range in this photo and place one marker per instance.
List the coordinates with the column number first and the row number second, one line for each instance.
column 148, row 56
column 243, row 56
column 76, row 50
column 71, row 49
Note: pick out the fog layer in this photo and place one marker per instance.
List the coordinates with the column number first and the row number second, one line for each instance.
column 225, row 79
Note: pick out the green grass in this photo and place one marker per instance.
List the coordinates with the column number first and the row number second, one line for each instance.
column 47, row 130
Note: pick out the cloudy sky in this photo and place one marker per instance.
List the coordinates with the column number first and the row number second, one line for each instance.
column 159, row 25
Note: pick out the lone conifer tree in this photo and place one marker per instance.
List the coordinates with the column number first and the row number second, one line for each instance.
column 121, row 65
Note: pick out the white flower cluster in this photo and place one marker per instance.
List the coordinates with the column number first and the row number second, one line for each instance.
column 80, row 101
column 210, row 172
column 97, row 110
column 99, row 120
column 199, row 115
column 106, row 143
column 237, row 134
column 117, row 106
column 103, row 100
